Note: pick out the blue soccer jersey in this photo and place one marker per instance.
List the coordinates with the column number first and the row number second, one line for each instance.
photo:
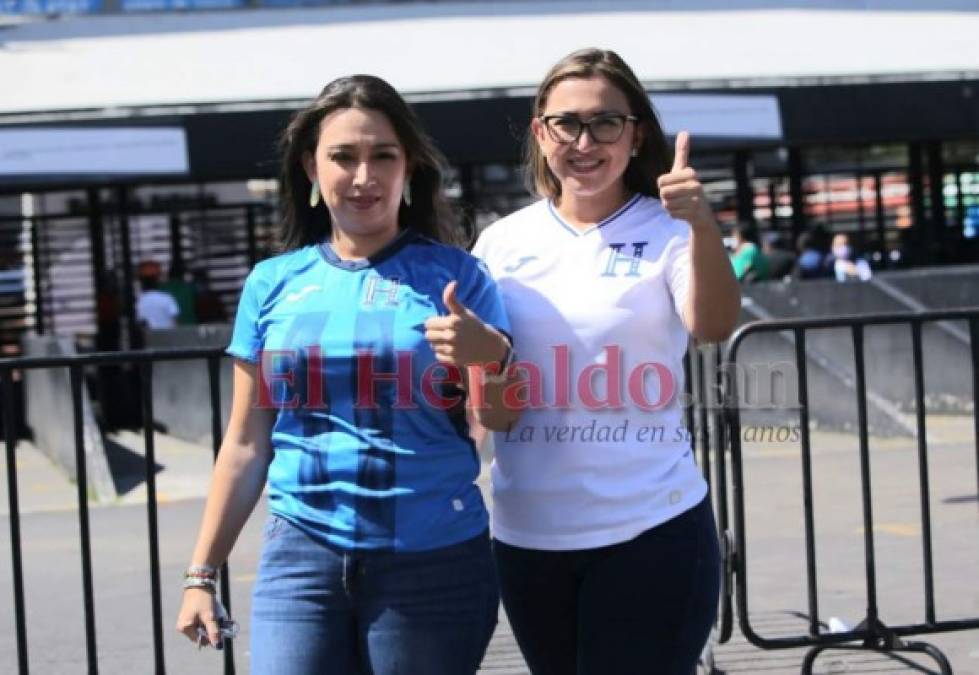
column 371, row 445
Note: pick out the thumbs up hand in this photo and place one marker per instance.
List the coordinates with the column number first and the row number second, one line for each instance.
column 681, row 193
column 452, row 302
column 461, row 338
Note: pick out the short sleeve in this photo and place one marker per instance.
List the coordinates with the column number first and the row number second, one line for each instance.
column 483, row 249
column 246, row 338
column 479, row 248
column 678, row 271
column 481, row 295
column 172, row 307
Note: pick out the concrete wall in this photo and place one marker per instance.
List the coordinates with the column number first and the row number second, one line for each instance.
column 181, row 394
column 768, row 387
column 939, row 288
column 47, row 394
column 887, row 349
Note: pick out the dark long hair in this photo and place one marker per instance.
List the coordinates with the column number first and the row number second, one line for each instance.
column 429, row 213
column 655, row 155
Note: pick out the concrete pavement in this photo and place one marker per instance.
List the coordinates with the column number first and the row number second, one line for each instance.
column 775, row 554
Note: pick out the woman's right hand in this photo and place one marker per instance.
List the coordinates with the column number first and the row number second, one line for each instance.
column 461, row 338
column 199, row 608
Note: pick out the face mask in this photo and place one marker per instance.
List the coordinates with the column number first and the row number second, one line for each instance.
column 842, row 252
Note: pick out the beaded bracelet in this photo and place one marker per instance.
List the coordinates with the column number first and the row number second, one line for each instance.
column 201, row 571
column 200, row 582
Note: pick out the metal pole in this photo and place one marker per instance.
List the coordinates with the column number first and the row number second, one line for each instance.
column 773, row 206
column 81, row 472
column 10, row 441
column 880, row 217
column 250, row 231
column 974, row 341
column 744, row 190
column 919, row 405
column 807, row 495
column 214, row 386
column 38, row 263
column 868, row 515
column 96, row 235
column 702, row 417
column 936, row 195
column 921, row 231
column 128, row 299
column 795, row 193
column 861, row 214
column 146, row 380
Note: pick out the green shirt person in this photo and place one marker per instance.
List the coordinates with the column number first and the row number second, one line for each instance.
column 183, row 292
column 749, row 262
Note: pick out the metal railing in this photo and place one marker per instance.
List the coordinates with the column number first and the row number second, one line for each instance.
column 714, row 429
column 704, row 418
column 76, row 364
column 872, row 633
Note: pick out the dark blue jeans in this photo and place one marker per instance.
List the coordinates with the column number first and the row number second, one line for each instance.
column 644, row 606
column 317, row 609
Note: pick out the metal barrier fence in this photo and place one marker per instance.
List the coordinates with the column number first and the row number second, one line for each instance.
column 713, row 427
column 145, row 361
column 703, row 419
column 871, row 633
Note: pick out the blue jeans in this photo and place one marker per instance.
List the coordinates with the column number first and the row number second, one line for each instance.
column 318, row 609
column 643, row 606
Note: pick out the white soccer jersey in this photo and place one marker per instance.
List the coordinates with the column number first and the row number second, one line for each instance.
column 601, row 454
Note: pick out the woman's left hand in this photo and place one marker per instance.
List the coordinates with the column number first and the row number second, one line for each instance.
column 680, row 191
column 461, row 338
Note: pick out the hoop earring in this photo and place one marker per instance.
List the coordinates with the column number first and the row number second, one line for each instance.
column 406, row 193
column 314, row 195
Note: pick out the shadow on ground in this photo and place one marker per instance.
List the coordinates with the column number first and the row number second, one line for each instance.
column 128, row 468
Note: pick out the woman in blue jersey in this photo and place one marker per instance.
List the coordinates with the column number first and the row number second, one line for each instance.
column 352, row 362
column 603, row 531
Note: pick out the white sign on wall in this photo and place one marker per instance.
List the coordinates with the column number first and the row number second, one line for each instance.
column 725, row 115
column 74, row 151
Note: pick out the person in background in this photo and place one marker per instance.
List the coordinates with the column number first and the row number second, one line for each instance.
column 781, row 261
column 110, row 384
column 155, row 309
column 183, row 292
column 208, row 306
column 811, row 263
column 750, row 263
column 108, row 314
column 847, row 266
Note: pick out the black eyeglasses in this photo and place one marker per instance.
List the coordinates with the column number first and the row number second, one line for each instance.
column 603, row 128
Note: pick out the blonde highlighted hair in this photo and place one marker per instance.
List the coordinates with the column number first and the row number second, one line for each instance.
column 654, row 156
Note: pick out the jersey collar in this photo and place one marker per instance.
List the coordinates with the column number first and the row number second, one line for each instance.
column 406, row 236
column 580, row 233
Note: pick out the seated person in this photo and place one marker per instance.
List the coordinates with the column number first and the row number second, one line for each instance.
column 781, row 260
column 749, row 263
column 155, row 308
column 847, row 266
column 811, row 263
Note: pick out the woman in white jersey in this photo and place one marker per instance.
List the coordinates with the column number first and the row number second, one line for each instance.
column 604, row 535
